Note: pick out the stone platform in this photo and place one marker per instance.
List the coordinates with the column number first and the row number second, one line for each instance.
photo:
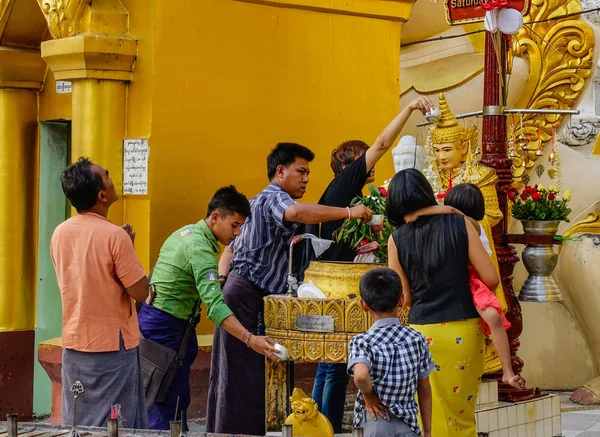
column 535, row 418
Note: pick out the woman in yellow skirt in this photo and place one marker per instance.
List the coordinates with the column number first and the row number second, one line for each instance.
column 432, row 255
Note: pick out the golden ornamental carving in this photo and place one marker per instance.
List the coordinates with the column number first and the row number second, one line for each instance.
column 282, row 314
column 270, row 305
column 296, row 348
column 335, row 309
column 402, row 314
column 312, row 307
column 356, row 318
column 295, row 311
column 314, row 347
column 63, row 16
column 276, row 395
column 558, row 69
column 336, row 348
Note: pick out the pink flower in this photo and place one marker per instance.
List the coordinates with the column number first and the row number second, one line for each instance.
column 383, row 191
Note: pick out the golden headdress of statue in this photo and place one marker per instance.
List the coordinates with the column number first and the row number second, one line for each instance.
column 447, row 129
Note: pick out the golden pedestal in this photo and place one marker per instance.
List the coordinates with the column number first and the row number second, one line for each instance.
column 340, row 282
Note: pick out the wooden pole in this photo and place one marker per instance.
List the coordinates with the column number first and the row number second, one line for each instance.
column 495, row 156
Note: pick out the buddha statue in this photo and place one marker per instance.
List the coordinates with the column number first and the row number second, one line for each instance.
column 306, row 419
column 451, row 151
column 408, row 154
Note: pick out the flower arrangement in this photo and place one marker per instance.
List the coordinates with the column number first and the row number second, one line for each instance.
column 539, row 203
column 362, row 236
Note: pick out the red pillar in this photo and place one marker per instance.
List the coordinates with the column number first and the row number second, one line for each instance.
column 495, row 156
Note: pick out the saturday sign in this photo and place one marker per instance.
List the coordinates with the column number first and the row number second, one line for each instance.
column 469, row 11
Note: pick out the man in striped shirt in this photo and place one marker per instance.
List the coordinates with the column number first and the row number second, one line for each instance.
column 259, row 264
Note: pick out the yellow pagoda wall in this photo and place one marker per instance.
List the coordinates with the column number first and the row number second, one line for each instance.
column 230, row 79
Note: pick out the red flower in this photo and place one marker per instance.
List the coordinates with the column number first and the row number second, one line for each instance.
column 377, row 228
column 551, row 196
column 531, row 189
column 512, row 195
column 536, row 196
column 524, row 195
column 383, row 191
column 363, row 242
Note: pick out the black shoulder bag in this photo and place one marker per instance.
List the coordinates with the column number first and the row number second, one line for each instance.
column 160, row 364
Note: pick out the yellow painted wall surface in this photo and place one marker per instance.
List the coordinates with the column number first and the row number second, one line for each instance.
column 231, row 79
column 53, row 106
column 139, row 118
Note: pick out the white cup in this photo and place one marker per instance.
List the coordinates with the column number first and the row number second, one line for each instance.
column 432, row 115
column 282, row 353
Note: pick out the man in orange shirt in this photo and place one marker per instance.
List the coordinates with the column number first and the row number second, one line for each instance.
column 98, row 274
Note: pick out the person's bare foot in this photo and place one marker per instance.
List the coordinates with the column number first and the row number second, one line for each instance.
column 516, row 381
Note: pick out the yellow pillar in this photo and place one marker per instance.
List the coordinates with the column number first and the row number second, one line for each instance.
column 98, row 129
column 21, row 76
column 18, row 169
column 99, row 66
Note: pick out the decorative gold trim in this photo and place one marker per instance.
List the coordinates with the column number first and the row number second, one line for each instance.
column 91, row 56
column 63, row 16
column 350, row 319
column 394, row 10
column 558, row 68
column 21, row 68
column 589, row 225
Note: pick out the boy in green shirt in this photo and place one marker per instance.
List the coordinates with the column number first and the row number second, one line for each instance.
column 186, row 274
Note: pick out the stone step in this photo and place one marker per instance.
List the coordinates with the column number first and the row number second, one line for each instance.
column 488, row 395
column 535, row 418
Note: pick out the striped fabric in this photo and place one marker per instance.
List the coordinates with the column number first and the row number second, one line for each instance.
column 261, row 252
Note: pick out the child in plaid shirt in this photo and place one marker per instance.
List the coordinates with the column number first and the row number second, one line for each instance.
column 389, row 363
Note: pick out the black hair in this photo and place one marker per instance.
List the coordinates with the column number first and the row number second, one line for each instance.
column 228, row 200
column 81, row 185
column 434, row 238
column 381, row 289
column 408, row 191
column 285, row 154
column 468, row 199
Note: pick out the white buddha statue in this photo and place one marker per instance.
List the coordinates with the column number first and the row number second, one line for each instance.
column 408, row 154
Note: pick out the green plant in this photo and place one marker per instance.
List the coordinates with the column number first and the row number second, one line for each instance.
column 358, row 234
column 539, row 203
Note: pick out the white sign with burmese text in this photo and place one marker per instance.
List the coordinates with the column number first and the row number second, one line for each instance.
column 135, row 166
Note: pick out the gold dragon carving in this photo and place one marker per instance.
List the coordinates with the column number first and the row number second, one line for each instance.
column 559, row 65
column 63, row 16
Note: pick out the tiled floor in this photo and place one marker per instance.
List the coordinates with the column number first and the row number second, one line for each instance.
column 585, row 423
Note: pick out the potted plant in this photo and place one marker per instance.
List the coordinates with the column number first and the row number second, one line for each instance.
column 372, row 237
column 540, row 210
